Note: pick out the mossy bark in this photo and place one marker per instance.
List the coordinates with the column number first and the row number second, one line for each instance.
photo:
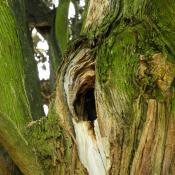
column 134, row 84
column 15, row 108
column 31, row 81
column 61, row 24
column 127, row 57
column 135, row 89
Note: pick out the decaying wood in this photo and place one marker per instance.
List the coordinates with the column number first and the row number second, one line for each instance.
column 96, row 13
column 130, row 71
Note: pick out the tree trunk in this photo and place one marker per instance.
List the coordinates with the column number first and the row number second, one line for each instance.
column 15, row 107
column 129, row 65
column 31, row 81
column 114, row 106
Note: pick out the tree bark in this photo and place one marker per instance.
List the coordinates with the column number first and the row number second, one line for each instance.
column 113, row 111
column 134, row 88
column 14, row 109
column 32, row 85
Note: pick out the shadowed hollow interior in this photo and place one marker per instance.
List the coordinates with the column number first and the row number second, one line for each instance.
column 85, row 105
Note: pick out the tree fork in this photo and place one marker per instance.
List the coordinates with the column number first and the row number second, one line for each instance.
column 114, row 95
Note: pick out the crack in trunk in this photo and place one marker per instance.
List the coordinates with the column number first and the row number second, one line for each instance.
column 79, row 87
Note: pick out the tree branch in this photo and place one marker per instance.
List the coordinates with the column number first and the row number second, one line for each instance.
column 18, row 148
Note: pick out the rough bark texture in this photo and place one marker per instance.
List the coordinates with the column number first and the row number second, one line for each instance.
column 31, row 81
column 134, row 87
column 14, row 109
column 113, row 111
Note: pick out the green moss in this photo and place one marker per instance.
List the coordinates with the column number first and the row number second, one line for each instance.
column 14, row 102
column 118, row 60
column 61, row 24
column 163, row 22
column 52, row 143
column 31, row 80
column 158, row 95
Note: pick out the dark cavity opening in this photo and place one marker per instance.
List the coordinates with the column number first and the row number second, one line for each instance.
column 85, row 105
